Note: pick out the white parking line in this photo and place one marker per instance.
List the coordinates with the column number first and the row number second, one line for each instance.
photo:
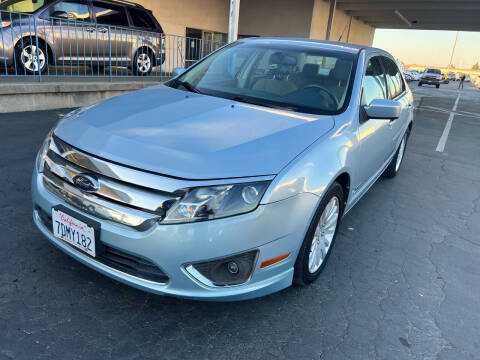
column 448, row 125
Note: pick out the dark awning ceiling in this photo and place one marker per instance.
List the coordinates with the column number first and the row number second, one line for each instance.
column 420, row 14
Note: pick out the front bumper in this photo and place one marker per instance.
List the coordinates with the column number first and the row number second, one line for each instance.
column 430, row 81
column 273, row 229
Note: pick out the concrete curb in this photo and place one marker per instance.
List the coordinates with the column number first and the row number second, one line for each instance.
column 16, row 97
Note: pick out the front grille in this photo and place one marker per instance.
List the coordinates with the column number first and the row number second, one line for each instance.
column 117, row 259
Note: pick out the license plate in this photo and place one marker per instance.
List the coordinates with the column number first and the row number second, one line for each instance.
column 73, row 231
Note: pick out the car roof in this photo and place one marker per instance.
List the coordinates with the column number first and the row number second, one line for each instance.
column 324, row 44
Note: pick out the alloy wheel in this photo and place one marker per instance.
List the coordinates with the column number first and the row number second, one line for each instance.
column 144, row 63
column 33, row 58
column 324, row 234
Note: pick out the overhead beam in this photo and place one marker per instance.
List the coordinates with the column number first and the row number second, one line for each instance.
column 409, row 5
column 449, row 27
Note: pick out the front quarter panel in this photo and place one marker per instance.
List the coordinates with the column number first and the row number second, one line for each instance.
column 316, row 168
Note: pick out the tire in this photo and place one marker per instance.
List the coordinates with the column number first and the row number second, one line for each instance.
column 419, row 83
column 394, row 167
column 437, row 86
column 143, row 62
column 307, row 271
column 30, row 60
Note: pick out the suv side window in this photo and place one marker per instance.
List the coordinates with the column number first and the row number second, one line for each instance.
column 75, row 9
column 141, row 19
column 110, row 14
column 374, row 86
column 394, row 78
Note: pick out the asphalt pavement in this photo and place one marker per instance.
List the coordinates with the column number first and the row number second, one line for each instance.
column 403, row 281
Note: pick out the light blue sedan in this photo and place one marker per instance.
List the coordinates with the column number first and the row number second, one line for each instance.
column 229, row 181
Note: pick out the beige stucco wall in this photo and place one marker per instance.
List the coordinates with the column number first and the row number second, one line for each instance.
column 275, row 17
column 360, row 33
column 176, row 15
column 293, row 18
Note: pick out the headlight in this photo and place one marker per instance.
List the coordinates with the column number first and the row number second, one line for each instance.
column 42, row 153
column 215, row 202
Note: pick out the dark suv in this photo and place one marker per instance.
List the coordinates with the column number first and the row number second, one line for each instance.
column 79, row 32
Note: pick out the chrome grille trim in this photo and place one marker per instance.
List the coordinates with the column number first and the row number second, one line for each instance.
column 136, row 219
column 115, row 190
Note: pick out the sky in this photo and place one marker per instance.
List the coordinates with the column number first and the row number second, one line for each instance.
column 429, row 47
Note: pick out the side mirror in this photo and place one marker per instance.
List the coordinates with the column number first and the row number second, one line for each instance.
column 178, row 71
column 383, row 109
column 60, row 15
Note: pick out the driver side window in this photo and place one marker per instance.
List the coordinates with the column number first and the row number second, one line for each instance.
column 374, row 86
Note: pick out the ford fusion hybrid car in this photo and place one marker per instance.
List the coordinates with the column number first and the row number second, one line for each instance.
column 229, row 181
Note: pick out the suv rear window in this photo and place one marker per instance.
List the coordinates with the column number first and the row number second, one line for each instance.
column 110, row 14
column 141, row 19
column 434, row 71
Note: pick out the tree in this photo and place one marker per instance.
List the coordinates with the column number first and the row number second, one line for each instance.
column 476, row 66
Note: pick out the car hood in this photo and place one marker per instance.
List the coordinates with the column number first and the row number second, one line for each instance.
column 191, row 136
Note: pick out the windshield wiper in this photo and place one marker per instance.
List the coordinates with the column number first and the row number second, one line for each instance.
column 253, row 102
column 187, row 86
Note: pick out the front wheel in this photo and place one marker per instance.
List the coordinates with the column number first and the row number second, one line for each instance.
column 31, row 59
column 318, row 242
column 143, row 63
column 394, row 166
column 419, row 83
column 437, row 86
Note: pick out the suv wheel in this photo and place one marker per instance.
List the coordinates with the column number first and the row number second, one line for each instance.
column 143, row 63
column 30, row 59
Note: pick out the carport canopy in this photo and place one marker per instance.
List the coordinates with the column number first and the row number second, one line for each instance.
column 415, row 14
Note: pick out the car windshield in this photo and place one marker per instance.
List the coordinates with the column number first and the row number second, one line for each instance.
column 434, row 71
column 296, row 77
column 24, row 6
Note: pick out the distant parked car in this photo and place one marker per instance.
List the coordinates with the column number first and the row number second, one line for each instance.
column 407, row 75
column 431, row 77
column 451, row 76
column 415, row 74
column 467, row 78
column 83, row 32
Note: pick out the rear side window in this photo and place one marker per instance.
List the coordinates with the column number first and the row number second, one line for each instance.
column 109, row 14
column 141, row 19
column 394, row 78
column 374, row 82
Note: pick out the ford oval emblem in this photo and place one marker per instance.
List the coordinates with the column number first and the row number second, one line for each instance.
column 86, row 182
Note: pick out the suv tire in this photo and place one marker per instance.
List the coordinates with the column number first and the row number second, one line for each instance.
column 30, row 59
column 143, row 62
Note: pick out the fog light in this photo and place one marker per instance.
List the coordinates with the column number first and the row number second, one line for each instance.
column 232, row 270
column 232, row 267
